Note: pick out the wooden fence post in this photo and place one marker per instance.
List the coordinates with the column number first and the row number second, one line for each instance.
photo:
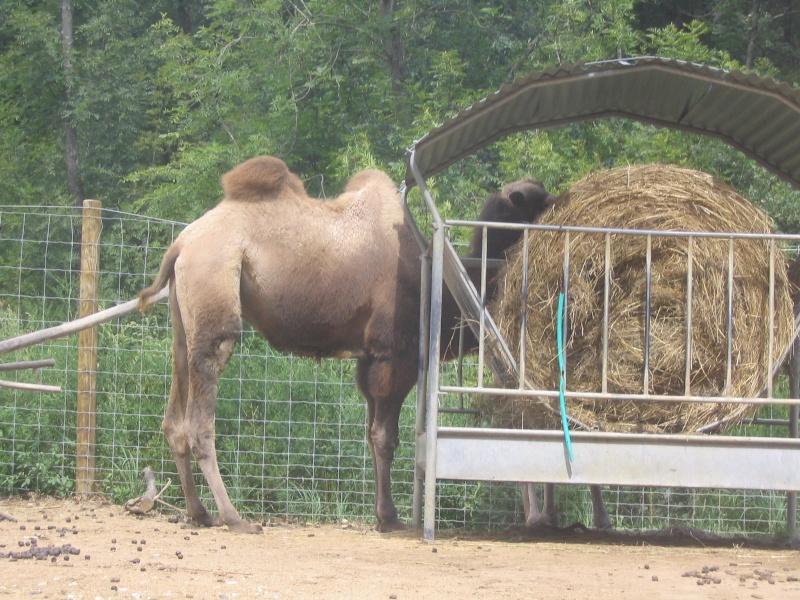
column 87, row 350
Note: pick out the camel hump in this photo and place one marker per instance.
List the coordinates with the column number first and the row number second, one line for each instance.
column 369, row 177
column 258, row 178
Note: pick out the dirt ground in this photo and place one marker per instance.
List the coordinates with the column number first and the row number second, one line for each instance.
column 105, row 552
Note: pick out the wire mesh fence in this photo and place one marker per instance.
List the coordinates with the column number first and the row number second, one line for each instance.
column 291, row 432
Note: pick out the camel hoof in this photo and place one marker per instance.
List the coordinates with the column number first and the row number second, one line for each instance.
column 541, row 521
column 207, row 520
column 604, row 525
column 245, row 527
column 391, row 525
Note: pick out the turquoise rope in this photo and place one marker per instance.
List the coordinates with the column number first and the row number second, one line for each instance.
column 562, row 387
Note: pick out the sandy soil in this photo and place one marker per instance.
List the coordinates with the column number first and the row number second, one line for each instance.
column 118, row 555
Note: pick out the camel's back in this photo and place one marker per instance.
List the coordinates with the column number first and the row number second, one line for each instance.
column 312, row 272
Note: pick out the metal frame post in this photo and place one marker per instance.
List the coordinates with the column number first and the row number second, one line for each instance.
column 432, row 416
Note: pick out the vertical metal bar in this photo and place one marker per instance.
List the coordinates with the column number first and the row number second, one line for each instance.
column 729, row 333
column 460, row 363
column 432, row 416
column 687, row 385
column 422, row 380
column 411, row 159
column 647, row 298
column 771, row 330
column 794, row 413
column 566, row 300
column 606, row 301
column 434, row 350
column 523, row 310
column 460, row 359
column 482, row 320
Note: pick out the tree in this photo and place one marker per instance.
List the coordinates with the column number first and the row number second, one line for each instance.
column 165, row 95
column 74, row 183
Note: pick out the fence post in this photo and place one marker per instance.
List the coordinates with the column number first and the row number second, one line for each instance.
column 87, row 350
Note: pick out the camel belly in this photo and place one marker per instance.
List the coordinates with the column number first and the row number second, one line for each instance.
column 305, row 325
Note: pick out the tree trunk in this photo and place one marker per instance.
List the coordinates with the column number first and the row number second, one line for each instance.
column 184, row 16
column 751, row 43
column 74, row 183
column 395, row 49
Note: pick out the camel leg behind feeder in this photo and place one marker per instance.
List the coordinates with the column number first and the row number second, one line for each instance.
column 600, row 517
column 549, row 515
column 533, row 516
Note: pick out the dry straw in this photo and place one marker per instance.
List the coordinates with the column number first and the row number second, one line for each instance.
column 653, row 197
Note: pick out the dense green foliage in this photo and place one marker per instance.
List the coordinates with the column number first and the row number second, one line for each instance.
column 166, row 94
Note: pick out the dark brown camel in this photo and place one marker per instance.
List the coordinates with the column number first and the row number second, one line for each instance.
column 322, row 279
column 522, row 201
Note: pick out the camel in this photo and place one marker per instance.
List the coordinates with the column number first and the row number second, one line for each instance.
column 548, row 516
column 337, row 278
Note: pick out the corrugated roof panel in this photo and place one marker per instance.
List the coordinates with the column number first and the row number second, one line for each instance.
column 760, row 117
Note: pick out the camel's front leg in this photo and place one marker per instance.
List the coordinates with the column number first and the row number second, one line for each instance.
column 385, row 386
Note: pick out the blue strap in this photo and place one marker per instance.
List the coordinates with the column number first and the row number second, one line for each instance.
column 562, row 387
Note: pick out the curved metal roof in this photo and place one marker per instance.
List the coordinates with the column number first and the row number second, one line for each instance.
column 760, row 117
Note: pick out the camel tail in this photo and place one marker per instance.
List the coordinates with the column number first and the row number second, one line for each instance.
column 163, row 277
column 258, row 178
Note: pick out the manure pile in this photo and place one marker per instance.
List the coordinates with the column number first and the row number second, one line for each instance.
column 652, row 197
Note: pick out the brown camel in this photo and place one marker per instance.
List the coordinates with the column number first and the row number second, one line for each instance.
column 339, row 278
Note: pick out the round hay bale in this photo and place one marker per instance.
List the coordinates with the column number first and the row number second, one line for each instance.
column 652, row 197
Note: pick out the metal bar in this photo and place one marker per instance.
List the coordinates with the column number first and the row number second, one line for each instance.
column 791, row 497
column 432, row 416
column 482, row 321
column 460, row 361
column 606, row 307
column 794, row 413
column 647, row 297
column 769, row 422
column 771, row 330
column 422, row 241
column 434, row 349
column 422, row 380
column 459, row 411
column 532, row 392
column 687, row 384
column 791, row 237
column 524, row 310
column 411, row 158
column 690, row 461
column 729, row 331
column 566, row 302
column 492, row 264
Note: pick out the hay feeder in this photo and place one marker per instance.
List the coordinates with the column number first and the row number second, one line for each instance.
column 644, row 298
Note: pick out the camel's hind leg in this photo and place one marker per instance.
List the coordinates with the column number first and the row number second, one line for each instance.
column 212, row 322
column 600, row 517
column 533, row 517
column 208, row 356
column 173, row 424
